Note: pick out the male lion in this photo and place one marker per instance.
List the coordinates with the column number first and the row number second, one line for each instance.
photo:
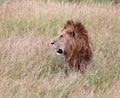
column 73, row 42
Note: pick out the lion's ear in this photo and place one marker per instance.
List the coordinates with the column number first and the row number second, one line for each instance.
column 72, row 34
column 68, row 23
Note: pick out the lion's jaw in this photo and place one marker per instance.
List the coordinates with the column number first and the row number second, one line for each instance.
column 69, row 50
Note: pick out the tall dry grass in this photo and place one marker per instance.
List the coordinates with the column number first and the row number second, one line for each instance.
column 29, row 67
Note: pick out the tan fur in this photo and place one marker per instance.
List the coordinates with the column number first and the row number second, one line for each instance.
column 78, row 47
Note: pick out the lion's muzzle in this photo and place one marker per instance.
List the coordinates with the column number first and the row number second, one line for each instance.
column 59, row 51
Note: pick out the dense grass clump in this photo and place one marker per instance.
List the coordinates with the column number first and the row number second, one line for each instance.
column 29, row 67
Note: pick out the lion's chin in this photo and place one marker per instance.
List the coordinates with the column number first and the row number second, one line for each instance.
column 58, row 54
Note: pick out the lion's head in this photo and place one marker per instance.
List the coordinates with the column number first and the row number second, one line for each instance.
column 73, row 42
column 64, row 42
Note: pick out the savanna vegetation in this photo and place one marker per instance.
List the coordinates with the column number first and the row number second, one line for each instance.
column 29, row 67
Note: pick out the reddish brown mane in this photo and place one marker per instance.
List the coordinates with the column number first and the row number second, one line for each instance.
column 81, row 52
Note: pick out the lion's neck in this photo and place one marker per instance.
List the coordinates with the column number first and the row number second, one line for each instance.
column 72, row 59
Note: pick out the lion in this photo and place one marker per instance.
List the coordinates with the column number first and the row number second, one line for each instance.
column 75, row 45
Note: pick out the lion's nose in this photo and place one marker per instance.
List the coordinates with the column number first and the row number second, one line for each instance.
column 52, row 43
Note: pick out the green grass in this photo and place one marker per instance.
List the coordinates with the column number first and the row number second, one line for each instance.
column 29, row 67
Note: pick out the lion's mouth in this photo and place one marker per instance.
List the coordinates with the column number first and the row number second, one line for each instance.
column 59, row 52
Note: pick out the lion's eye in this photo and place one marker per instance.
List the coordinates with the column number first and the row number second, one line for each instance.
column 72, row 34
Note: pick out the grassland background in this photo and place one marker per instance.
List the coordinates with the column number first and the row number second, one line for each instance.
column 29, row 67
